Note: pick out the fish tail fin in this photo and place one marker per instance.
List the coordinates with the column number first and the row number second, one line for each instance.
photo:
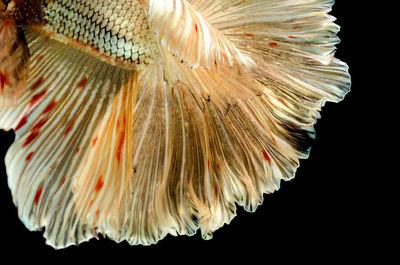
column 171, row 148
column 210, row 132
column 292, row 41
column 14, row 58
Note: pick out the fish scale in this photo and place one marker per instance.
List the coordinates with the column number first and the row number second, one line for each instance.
column 115, row 28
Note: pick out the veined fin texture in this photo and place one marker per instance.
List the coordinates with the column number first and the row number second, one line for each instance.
column 14, row 57
column 173, row 146
column 293, row 43
column 190, row 37
column 291, row 29
column 68, row 96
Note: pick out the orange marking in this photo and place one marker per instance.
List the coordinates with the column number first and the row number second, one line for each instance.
column 97, row 213
column 62, row 181
column 283, row 102
column 37, row 195
column 99, row 185
column 273, row 44
column 116, row 127
column 94, row 140
column 266, row 157
column 292, row 37
column 29, row 156
column 119, row 149
column 249, row 35
column 121, row 139
column 196, row 28
column 39, row 58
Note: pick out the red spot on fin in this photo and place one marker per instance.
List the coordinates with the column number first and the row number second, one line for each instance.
column 273, row 44
column 249, row 35
column 49, row 107
column 29, row 156
column 94, row 140
column 283, row 102
column 292, row 37
column 70, row 127
column 82, row 83
column 39, row 58
column 121, row 139
column 196, row 28
column 121, row 143
column 39, row 124
column 99, row 185
column 3, row 80
column 37, row 195
column 266, row 157
column 30, row 138
column 37, row 97
column 37, row 83
column 22, row 122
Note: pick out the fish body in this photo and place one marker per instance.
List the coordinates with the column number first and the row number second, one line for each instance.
column 117, row 29
column 142, row 118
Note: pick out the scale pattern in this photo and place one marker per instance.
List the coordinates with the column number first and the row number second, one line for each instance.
column 116, row 28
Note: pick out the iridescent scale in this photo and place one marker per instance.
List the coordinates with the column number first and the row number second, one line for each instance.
column 116, row 28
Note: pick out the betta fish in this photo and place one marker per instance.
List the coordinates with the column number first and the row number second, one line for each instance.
column 136, row 119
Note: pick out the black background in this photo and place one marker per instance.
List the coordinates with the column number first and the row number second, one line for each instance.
column 320, row 214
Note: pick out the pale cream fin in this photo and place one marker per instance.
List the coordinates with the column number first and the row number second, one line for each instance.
column 172, row 147
column 68, row 95
column 187, row 35
column 290, row 29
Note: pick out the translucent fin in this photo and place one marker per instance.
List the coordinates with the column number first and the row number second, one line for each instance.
column 67, row 97
column 285, row 30
column 14, row 57
column 190, row 37
column 199, row 147
column 103, row 182
column 172, row 147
